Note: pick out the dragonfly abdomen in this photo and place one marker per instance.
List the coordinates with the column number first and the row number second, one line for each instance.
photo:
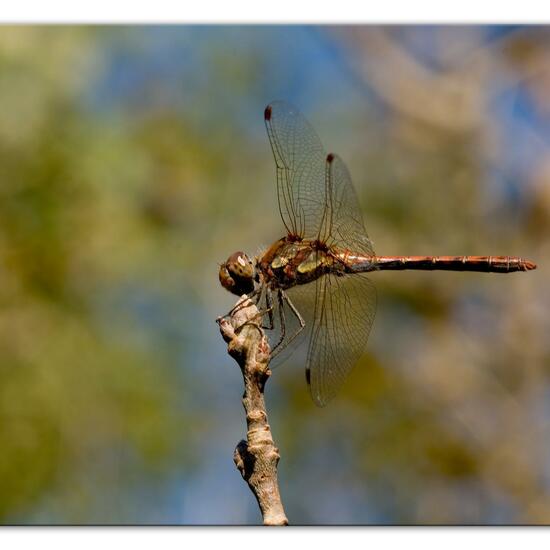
column 487, row 264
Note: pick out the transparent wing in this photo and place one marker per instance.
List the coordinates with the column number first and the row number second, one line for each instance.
column 344, row 312
column 300, row 160
column 317, row 201
column 342, row 222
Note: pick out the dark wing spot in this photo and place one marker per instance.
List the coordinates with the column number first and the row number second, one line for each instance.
column 330, row 157
column 308, row 376
column 267, row 113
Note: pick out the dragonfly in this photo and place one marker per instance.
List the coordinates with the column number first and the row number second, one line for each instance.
column 324, row 258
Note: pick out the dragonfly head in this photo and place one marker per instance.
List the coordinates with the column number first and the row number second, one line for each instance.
column 238, row 274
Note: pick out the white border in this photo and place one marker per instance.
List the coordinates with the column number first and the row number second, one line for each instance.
column 276, row 11
column 275, row 538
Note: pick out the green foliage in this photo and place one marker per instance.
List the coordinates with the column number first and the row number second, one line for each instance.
column 72, row 392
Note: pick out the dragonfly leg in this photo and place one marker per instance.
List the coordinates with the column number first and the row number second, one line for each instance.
column 254, row 297
column 269, row 309
column 280, row 346
column 258, row 295
column 261, row 313
column 282, row 322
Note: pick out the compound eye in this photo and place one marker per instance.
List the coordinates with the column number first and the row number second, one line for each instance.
column 239, row 264
column 226, row 280
column 237, row 274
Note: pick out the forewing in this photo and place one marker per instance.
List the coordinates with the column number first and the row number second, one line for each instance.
column 344, row 312
column 300, row 160
column 342, row 223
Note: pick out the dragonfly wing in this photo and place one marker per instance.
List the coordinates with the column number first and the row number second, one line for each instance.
column 344, row 312
column 342, row 223
column 317, row 201
column 300, row 160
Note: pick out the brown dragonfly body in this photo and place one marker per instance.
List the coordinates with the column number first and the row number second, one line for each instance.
column 483, row 264
column 290, row 261
column 326, row 249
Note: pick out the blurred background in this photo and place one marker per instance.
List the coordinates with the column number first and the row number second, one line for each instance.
column 133, row 160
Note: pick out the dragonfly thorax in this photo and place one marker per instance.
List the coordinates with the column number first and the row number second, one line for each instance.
column 290, row 262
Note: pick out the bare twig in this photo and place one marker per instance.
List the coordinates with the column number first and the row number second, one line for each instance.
column 256, row 458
